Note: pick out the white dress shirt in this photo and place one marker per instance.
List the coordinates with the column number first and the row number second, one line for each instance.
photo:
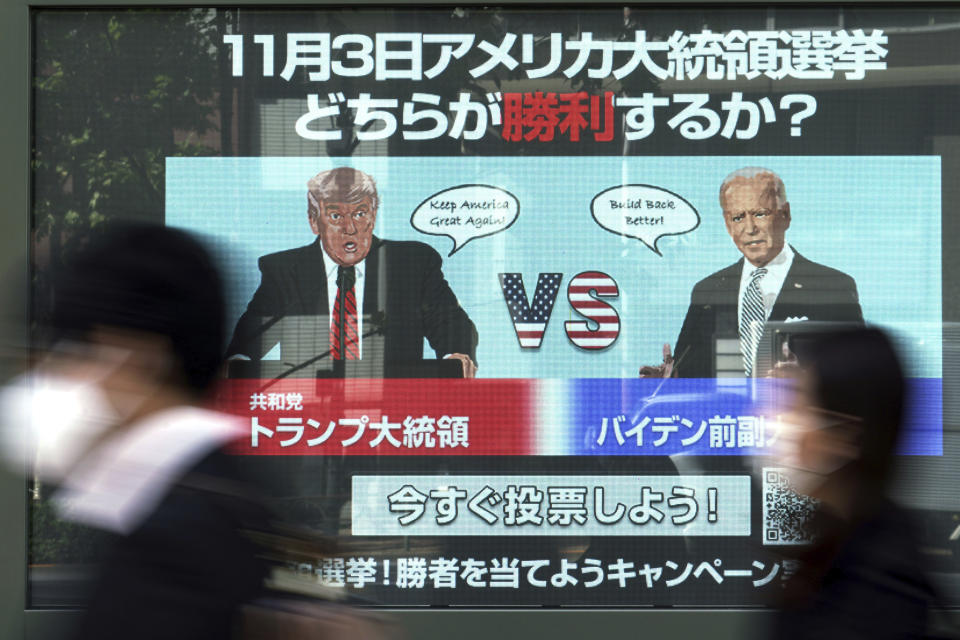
column 770, row 284
column 331, row 268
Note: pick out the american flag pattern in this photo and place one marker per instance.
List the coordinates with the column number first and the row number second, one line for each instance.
column 605, row 317
column 530, row 319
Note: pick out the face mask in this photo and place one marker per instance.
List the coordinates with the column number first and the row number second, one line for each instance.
column 52, row 419
column 805, row 477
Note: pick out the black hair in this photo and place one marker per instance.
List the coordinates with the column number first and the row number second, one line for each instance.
column 857, row 373
column 150, row 278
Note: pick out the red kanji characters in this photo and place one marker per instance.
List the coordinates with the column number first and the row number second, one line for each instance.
column 539, row 115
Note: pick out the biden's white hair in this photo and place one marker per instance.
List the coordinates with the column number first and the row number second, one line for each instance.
column 748, row 173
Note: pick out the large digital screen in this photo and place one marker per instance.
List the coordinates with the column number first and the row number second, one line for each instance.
column 613, row 247
column 510, row 288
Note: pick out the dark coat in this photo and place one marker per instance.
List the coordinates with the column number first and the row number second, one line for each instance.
column 863, row 580
column 185, row 571
column 810, row 290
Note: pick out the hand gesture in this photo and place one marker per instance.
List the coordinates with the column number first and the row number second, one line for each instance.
column 469, row 368
column 788, row 366
column 664, row 370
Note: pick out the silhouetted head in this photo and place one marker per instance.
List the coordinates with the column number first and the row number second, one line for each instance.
column 848, row 411
column 857, row 373
column 139, row 284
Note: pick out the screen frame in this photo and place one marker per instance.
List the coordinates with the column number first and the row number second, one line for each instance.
column 16, row 620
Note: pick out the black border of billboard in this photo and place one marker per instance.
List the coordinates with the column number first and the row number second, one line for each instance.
column 16, row 621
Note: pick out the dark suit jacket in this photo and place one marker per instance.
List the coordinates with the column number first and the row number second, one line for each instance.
column 187, row 568
column 810, row 290
column 860, row 580
column 405, row 293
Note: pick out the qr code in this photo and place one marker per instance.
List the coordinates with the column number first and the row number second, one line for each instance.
column 786, row 514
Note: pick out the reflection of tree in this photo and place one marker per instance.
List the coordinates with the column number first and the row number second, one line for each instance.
column 55, row 541
column 115, row 94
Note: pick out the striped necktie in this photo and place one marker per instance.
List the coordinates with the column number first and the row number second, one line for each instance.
column 752, row 317
column 344, row 338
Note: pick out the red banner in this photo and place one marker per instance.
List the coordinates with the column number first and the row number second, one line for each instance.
column 382, row 417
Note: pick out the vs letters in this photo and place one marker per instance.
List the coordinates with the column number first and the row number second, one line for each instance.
column 585, row 292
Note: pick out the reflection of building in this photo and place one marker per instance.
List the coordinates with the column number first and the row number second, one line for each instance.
column 274, row 135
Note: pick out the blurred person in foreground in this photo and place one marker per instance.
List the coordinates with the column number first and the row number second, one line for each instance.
column 113, row 416
column 862, row 575
column 113, row 411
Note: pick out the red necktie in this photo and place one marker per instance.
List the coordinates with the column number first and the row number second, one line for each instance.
column 344, row 337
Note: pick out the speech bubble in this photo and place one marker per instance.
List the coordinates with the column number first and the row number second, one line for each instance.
column 465, row 213
column 644, row 212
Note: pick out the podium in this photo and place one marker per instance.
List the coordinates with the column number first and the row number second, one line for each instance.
column 300, row 346
column 340, row 369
